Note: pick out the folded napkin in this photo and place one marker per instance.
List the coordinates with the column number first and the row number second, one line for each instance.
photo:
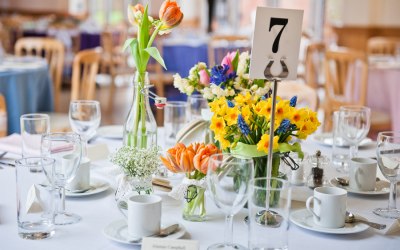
column 11, row 144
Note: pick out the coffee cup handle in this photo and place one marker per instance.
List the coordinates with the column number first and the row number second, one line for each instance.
column 308, row 205
column 123, row 208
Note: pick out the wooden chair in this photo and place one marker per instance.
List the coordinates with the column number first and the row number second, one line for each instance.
column 314, row 65
column 306, row 96
column 83, row 85
column 220, row 45
column 51, row 49
column 383, row 45
column 3, row 116
column 346, row 73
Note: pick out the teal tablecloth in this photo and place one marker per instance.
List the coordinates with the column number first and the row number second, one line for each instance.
column 25, row 91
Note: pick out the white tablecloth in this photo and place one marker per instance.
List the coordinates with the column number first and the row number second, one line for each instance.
column 99, row 210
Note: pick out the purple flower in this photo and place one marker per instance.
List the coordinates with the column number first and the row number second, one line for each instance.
column 243, row 126
column 219, row 74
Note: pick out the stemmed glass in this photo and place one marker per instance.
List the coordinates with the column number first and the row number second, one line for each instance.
column 66, row 149
column 228, row 179
column 388, row 155
column 354, row 124
column 84, row 117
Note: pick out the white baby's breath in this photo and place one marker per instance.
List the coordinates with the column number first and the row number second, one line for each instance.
column 136, row 162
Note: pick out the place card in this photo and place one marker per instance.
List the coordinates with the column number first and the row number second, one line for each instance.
column 169, row 244
column 277, row 34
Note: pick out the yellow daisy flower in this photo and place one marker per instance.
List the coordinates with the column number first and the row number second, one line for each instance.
column 231, row 116
column 263, row 144
column 217, row 125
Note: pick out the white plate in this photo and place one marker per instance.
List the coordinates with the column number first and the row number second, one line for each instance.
column 381, row 187
column 96, row 186
column 118, row 231
column 326, row 139
column 111, row 132
column 304, row 219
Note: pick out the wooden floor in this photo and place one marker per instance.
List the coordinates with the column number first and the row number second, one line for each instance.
column 114, row 114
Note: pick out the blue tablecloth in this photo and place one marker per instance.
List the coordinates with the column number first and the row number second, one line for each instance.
column 26, row 91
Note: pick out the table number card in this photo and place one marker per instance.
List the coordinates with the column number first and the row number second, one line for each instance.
column 169, row 244
column 276, row 36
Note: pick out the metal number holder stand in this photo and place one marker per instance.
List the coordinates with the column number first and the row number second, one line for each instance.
column 267, row 217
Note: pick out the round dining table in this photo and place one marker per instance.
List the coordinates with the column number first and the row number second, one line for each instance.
column 99, row 210
column 27, row 87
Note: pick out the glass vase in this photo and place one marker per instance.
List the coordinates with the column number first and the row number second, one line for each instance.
column 140, row 128
column 194, row 208
column 130, row 185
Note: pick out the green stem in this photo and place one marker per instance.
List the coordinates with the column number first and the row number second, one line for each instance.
column 153, row 36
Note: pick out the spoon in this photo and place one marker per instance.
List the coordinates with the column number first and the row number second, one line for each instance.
column 350, row 218
column 345, row 182
column 164, row 232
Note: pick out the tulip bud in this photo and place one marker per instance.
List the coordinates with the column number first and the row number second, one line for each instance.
column 170, row 15
column 134, row 12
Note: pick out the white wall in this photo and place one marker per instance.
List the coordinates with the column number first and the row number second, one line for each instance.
column 364, row 12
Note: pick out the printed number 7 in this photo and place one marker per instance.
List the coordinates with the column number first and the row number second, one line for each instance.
column 277, row 21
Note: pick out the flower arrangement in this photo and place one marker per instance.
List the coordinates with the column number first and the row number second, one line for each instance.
column 228, row 79
column 142, row 49
column 193, row 161
column 136, row 162
column 242, row 126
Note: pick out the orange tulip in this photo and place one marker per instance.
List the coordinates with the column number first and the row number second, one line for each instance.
column 202, row 157
column 170, row 14
column 132, row 11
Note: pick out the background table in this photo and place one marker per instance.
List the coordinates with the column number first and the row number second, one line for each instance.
column 27, row 88
column 384, row 92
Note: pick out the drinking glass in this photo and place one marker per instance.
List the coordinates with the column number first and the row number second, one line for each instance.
column 268, row 222
column 66, row 150
column 176, row 116
column 196, row 103
column 340, row 156
column 228, row 179
column 84, row 117
column 33, row 126
column 388, row 155
column 354, row 124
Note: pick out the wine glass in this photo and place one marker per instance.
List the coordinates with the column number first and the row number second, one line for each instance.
column 66, row 150
column 354, row 124
column 228, row 179
column 388, row 155
column 84, row 117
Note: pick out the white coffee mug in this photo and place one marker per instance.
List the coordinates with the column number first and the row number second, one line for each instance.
column 362, row 174
column 329, row 206
column 81, row 181
column 144, row 215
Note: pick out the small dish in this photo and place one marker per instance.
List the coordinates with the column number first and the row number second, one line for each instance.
column 111, row 132
column 381, row 187
column 304, row 219
column 118, row 231
column 96, row 186
column 326, row 139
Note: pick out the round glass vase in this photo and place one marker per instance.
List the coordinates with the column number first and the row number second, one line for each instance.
column 140, row 128
column 130, row 185
column 194, row 208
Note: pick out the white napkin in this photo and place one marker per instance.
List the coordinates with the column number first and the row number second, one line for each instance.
column 11, row 144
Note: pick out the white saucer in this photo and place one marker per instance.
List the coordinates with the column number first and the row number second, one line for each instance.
column 381, row 187
column 304, row 219
column 96, row 186
column 326, row 139
column 118, row 231
column 111, row 132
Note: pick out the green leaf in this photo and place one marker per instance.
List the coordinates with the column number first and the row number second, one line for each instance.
column 153, row 52
column 128, row 43
column 296, row 147
column 135, row 53
column 144, row 30
column 235, row 61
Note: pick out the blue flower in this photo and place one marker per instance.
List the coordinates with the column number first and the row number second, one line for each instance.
column 243, row 126
column 263, row 98
column 293, row 101
column 218, row 74
column 230, row 104
column 284, row 127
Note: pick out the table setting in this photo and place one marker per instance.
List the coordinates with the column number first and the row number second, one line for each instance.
column 245, row 171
